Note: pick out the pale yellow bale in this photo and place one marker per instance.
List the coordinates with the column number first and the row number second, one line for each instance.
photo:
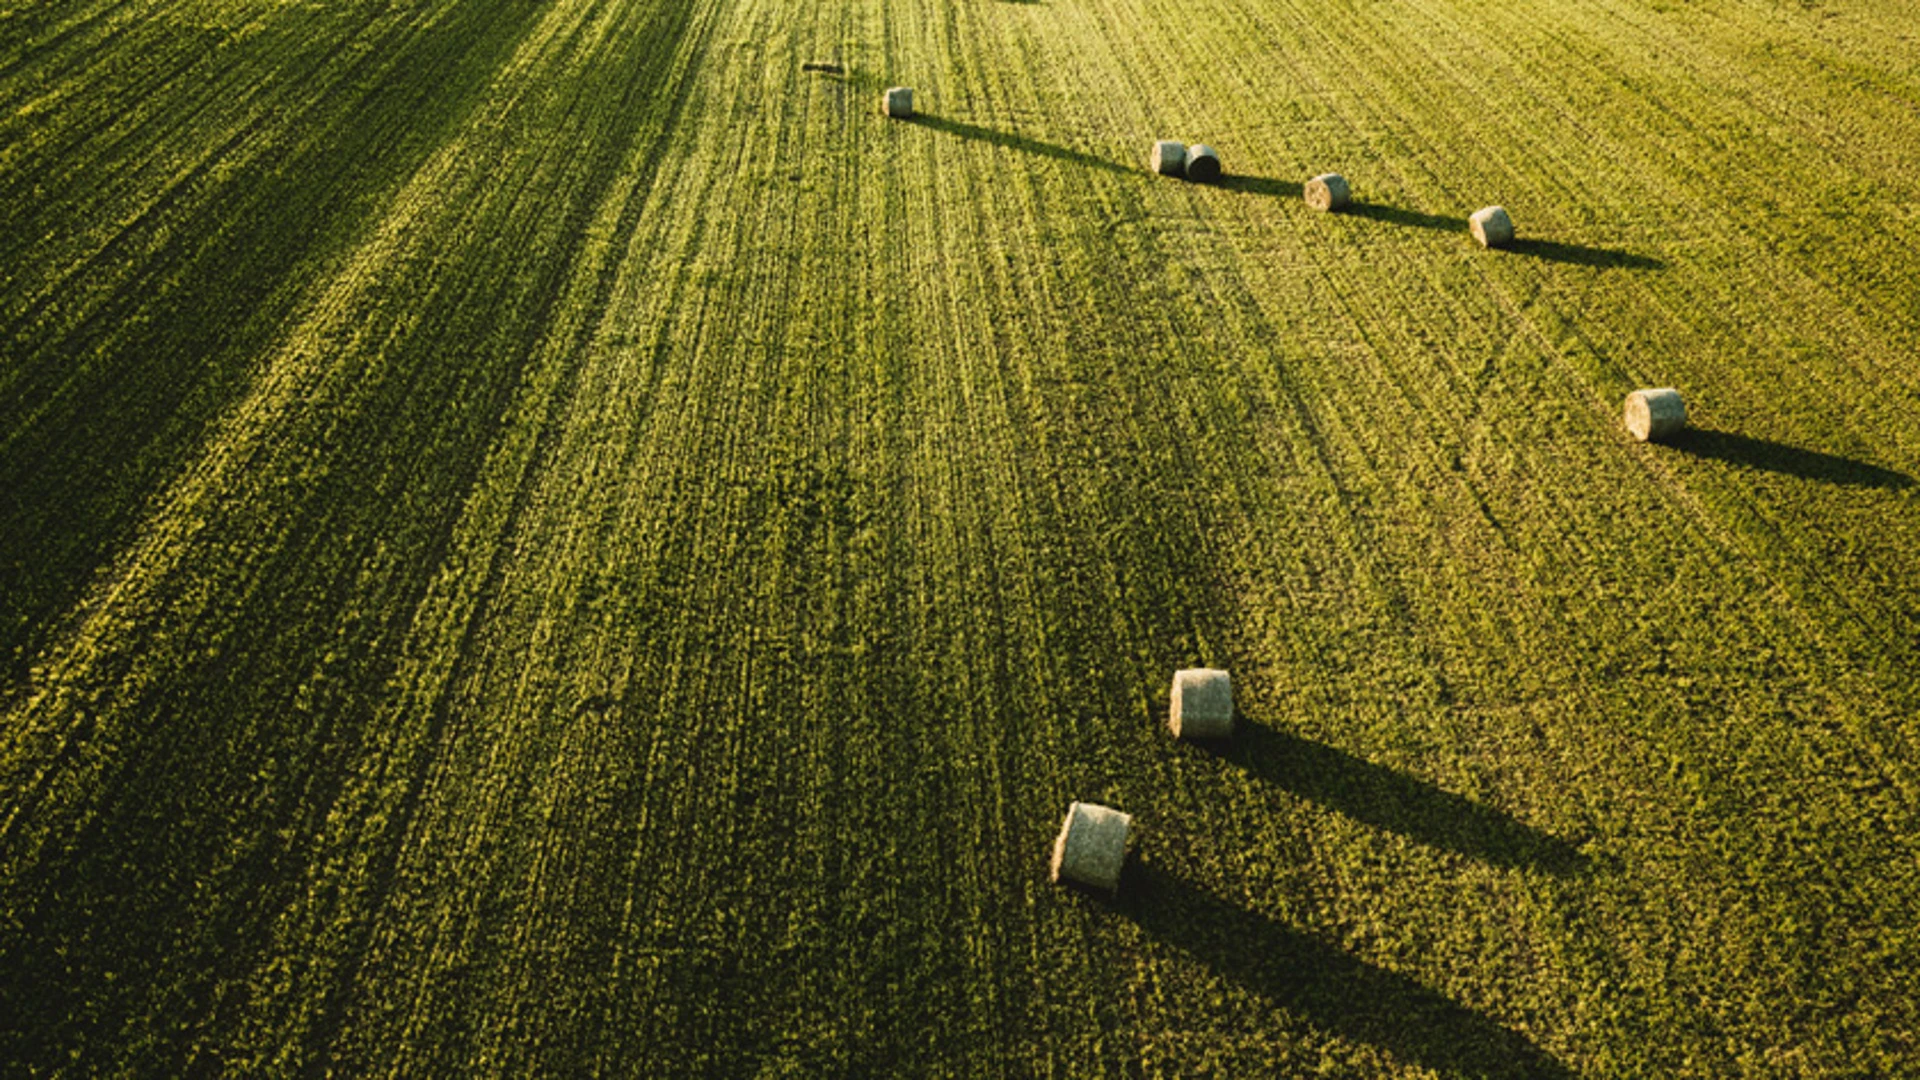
column 1169, row 157
column 1491, row 226
column 1202, row 704
column 1657, row 414
column 1327, row 192
column 1092, row 845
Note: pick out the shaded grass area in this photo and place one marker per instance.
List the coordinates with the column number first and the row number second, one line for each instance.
column 1768, row 455
column 110, row 389
column 1024, row 144
column 1327, row 986
column 116, row 950
column 1389, row 799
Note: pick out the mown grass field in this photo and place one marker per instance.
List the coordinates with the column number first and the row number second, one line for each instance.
column 540, row 538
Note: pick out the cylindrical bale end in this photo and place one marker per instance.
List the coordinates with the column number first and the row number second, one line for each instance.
column 1653, row 415
column 1327, row 192
column 1491, row 226
column 1202, row 706
column 899, row 102
column 1203, row 163
column 1170, row 157
column 1092, row 845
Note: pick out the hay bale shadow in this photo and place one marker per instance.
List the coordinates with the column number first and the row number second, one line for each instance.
column 1010, row 141
column 1389, row 799
column 1770, row 456
column 1261, row 185
column 1582, row 255
column 1325, row 985
column 1411, row 219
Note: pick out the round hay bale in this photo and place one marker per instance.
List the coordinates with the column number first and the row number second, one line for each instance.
column 1653, row 415
column 1202, row 705
column 1327, row 192
column 1491, row 226
column 1092, row 845
column 1203, row 163
column 1169, row 157
column 899, row 102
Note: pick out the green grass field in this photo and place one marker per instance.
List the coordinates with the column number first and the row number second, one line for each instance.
column 542, row 538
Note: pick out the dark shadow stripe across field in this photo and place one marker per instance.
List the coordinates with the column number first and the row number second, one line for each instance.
column 833, row 71
column 169, row 884
column 1022, row 143
column 1394, row 801
column 102, row 409
column 1325, row 985
column 1790, row 460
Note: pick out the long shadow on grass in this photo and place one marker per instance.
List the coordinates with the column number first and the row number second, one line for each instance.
column 1326, row 986
column 1550, row 250
column 1014, row 142
column 1412, row 219
column 1581, row 255
column 1261, row 185
column 1392, row 800
column 1781, row 458
column 1392, row 215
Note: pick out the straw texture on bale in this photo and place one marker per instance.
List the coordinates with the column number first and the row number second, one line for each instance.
column 1327, row 192
column 899, row 102
column 1202, row 706
column 1491, row 226
column 1203, row 163
column 1092, row 845
column 1655, row 414
column 1169, row 157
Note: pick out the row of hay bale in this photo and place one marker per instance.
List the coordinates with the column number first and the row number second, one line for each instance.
column 1092, row 846
column 1651, row 415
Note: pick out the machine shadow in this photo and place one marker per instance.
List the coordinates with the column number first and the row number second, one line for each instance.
column 1325, row 985
column 1392, row 800
column 1021, row 143
column 1781, row 458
